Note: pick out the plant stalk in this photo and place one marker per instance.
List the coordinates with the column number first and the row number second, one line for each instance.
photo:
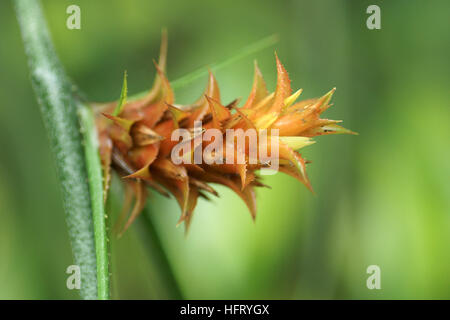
column 158, row 254
column 59, row 114
column 94, row 169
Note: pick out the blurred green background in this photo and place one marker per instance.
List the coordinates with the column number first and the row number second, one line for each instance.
column 383, row 197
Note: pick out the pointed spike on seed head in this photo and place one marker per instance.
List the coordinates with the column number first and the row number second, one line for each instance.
column 122, row 122
column 123, row 96
column 296, row 143
column 177, row 114
column 292, row 98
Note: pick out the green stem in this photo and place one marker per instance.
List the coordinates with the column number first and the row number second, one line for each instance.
column 203, row 71
column 59, row 113
column 158, row 254
column 94, row 170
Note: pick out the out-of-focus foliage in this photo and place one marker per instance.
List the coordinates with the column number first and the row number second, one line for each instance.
column 382, row 198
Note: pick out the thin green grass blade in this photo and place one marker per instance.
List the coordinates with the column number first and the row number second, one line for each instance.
column 203, row 71
column 123, row 96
